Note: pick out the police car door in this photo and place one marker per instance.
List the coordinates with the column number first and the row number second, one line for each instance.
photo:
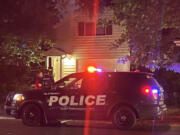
column 70, row 101
column 96, row 87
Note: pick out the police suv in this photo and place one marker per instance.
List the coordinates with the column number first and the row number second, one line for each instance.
column 120, row 97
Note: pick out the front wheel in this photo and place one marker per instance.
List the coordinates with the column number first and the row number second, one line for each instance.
column 124, row 118
column 32, row 115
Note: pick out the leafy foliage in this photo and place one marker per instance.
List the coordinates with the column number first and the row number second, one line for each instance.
column 165, row 78
column 19, row 60
column 22, row 52
column 27, row 30
column 144, row 25
column 29, row 18
column 14, row 78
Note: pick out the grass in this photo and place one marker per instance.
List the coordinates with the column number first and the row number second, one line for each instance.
column 173, row 111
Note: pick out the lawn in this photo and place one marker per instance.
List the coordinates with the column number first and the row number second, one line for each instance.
column 173, row 110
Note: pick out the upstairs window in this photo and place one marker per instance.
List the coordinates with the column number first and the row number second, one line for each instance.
column 89, row 29
column 109, row 29
column 81, row 28
column 86, row 29
column 104, row 30
column 100, row 30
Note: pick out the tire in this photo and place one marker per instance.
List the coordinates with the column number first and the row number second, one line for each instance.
column 32, row 115
column 124, row 118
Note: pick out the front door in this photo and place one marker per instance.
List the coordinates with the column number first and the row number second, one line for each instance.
column 96, row 86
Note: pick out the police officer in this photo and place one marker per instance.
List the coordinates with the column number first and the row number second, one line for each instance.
column 38, row 82
column 48, row 80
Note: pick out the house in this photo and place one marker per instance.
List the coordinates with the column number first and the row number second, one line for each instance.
column 82, row 41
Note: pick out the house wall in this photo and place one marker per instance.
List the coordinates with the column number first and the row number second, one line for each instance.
column 104, row 64
column 68, row 66
column 96, row 47
column 91, row 49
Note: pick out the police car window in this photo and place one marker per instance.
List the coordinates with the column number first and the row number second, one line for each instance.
column 76, row 84
column 71, row 83
column 66, row 82
column 96, row 82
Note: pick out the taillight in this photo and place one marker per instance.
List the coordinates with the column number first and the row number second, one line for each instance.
column 155, row 93
column 149, row 91
column 146, row 91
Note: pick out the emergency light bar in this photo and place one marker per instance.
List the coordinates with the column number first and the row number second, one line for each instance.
column 92, row 69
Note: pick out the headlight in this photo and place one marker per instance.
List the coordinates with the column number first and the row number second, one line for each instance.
column 18, row 97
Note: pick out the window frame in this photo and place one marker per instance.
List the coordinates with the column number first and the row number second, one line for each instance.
column 82, row 30
column 68, row 86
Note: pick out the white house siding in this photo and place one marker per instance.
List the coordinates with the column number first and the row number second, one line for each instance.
column 104, row 64
column 68, row 68
column 91, row 48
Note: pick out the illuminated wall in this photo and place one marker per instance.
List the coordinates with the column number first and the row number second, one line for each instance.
column 68, row 65
column 104, row 64
column 61, row 66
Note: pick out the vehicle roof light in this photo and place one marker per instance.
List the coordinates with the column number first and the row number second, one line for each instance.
column 91, row 69
column 99, row 70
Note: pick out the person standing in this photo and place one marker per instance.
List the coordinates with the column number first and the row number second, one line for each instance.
column 39, row 81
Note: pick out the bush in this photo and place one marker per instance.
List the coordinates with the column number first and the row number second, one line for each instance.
column 17, row 79
column 14, row 79
column 170, row 81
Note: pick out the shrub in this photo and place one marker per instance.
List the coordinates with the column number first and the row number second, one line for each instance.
column 170, row 81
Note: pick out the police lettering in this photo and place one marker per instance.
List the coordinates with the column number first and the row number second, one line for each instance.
column 83, row 100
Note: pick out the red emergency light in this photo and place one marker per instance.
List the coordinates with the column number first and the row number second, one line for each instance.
column 92, row 69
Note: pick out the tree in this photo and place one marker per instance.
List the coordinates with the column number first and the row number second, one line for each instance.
column 27, row 30
column 20, row 59
column 30, row 18
column 21, row 52
column 144, row 24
